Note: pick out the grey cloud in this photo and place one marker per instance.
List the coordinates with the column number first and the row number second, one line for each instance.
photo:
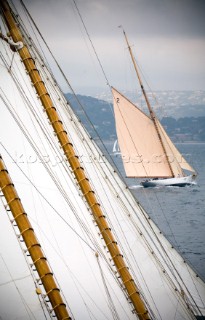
column 161, row 30
column 145, row 17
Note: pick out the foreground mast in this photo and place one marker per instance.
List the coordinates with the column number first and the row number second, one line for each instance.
column 83, row 182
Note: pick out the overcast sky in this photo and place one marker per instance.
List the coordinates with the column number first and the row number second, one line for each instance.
column 167, row 37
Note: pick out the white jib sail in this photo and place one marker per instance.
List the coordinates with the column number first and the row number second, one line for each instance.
column 176, row 160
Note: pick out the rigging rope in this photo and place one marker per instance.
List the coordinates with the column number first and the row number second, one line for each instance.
column 72, row 90
column 93, row 47
column 109, row 298
column 26, row 306
column 47, row 200
column 41, row 297
column 21, row 129
column 52, row 206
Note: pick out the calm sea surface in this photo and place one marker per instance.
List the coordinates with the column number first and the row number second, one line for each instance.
column 178, row 212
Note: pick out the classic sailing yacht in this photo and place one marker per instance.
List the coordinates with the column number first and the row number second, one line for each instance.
column 74, row 242
column 146, row 149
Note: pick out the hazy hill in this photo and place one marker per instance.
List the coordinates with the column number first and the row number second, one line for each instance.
column 100, row 114
column 98, row 111
column 176, row 104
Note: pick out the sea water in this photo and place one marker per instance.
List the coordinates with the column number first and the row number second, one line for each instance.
column 179, row 212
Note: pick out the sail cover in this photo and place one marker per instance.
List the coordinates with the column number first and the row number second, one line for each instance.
column 141, row 150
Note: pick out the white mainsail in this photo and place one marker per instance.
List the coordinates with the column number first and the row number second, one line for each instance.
column 88, row 280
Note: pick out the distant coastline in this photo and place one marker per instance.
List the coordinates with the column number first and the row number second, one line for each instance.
column 181, row 126
column 191, row 142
